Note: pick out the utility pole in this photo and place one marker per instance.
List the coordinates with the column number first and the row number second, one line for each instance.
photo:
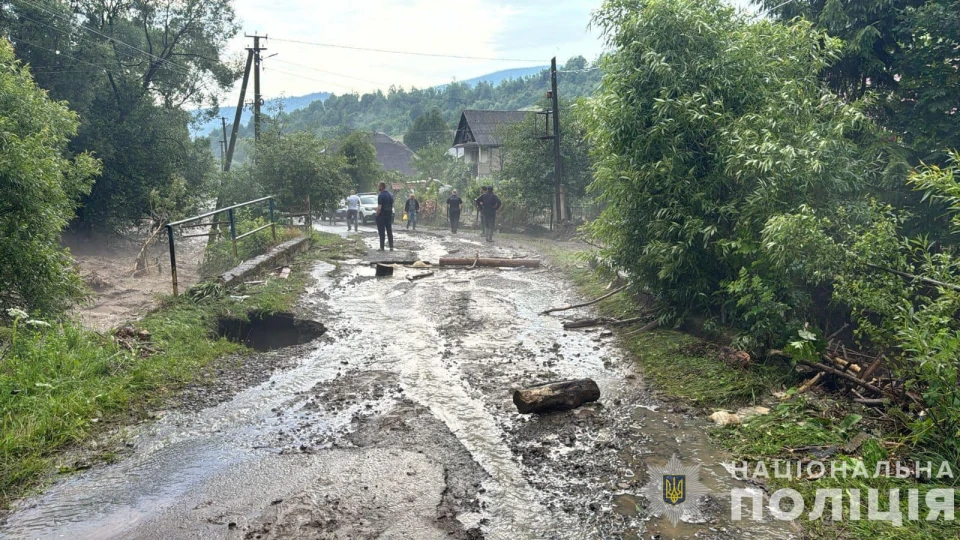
column 558, row 204
column 223, row 145
column 239, row 115
column 257, row 98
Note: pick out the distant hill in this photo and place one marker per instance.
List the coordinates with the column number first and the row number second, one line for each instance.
column 229, row 110
column 392, row 112
column 497, row 77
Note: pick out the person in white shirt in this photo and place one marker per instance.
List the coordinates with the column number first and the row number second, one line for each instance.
column 353, row 207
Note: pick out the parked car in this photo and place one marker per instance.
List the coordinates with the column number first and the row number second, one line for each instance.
column 368, row 207
column 341, row 212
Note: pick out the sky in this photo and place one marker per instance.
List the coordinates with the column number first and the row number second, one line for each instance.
column 514, row 33
column 528, row 32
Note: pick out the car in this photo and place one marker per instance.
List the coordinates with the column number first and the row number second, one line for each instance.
column 368, row 207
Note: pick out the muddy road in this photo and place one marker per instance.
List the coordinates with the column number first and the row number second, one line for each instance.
column 398, row 423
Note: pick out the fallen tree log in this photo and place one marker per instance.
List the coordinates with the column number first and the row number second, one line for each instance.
column 599, row 321
column 556, row 396
column 585, row 304
column 456, row 261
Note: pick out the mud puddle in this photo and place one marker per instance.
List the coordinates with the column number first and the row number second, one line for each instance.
column 399, row 423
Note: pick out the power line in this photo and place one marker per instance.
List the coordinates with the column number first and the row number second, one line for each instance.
column 311, row 78
column 328, row 72
column 410, row 53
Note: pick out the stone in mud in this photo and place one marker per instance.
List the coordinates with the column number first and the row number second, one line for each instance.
column 556, row 396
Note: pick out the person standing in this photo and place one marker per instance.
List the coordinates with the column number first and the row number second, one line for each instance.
column 454, row 204
column 353, row 208
column 489, row 204
column 411, row 208
column 478, row 202
column 385, row 214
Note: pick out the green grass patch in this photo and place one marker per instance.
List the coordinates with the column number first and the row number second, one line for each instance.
column 829, row 426
column 59, row 384
column 670, row 359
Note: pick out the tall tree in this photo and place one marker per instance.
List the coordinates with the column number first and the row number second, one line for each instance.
column 297, row 165
column 130, row 68
column 527, row 176
column 39, row 191
column 360, row 158
column 905, row 51
column 429, row 129
column 711, row 131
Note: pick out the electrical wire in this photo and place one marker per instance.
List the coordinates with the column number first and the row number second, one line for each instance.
column 410, row 53
column 328, row 72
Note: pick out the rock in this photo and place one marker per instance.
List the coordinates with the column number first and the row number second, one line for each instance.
column 723, row 418
column 746, row 413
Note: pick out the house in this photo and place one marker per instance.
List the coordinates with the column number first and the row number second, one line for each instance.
column 478, row 138
column 393, row 155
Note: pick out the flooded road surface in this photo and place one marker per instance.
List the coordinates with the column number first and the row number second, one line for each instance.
column 399, row 423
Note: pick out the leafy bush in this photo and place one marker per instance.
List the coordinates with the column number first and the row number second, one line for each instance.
column 913, row 317
column 714, row 139
column 39, row 189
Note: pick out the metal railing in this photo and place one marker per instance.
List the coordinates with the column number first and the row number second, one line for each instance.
column 231, row 220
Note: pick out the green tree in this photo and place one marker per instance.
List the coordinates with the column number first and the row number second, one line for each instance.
column 708, row 129
column 527, row 176
column 130, row 70
column 435, row 162
column 904, row 51
column 39, row 190
column 360, row 157
column 297, row 165
column 428, row 130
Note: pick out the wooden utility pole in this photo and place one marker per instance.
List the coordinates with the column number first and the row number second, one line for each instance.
column 223, row 145
column 257, row 97
column 239, row 115
column 556, row 140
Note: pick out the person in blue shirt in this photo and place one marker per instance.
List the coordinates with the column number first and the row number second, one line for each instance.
column 385, row 214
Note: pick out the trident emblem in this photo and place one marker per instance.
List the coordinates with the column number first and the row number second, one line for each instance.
column 674, row 491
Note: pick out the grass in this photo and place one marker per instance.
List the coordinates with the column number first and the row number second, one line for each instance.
column 60, row 385
column 668, row 358
column 676, row 366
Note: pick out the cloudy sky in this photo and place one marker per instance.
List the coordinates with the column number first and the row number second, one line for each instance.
column 513, row 33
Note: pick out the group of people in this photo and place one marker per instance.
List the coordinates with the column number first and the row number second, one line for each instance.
column 487, row 205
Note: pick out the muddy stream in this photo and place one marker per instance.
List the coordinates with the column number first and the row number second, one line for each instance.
column 398, row 423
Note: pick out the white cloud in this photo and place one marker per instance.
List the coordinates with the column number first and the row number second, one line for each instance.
column 533, row 30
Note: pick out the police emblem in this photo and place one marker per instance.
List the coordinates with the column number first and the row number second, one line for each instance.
column 672, row 487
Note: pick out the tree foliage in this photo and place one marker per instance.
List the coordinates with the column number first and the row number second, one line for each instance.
column 39, row 190
column 130, row 69
column 428, row 129
column 360, row 157
column 297, row 165
column 903, row 50
column 527, row 176
column 709, row 131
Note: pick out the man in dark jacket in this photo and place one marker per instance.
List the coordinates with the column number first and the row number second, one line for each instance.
column 477, row 204
column 385, row 214
column 454, row 204
column 489, row 204
column 411, row 207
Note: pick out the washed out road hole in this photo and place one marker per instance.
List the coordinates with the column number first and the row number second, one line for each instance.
column 269, row 331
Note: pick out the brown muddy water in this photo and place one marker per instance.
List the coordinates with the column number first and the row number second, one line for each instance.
column 399, row 424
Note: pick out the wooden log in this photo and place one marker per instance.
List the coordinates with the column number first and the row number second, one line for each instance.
column 512, row 263
column 556, row 396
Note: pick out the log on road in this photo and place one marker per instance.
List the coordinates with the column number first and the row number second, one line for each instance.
column 556, row 396
column 457, row 261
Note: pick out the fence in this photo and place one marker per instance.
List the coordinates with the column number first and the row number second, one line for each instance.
column 215, row 230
